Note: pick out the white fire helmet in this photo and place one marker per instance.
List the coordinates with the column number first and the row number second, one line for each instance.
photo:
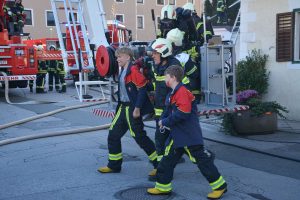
column 176, row 36
column 170, row 12
column 189, row 6
column 162, row 46
column 40, row 47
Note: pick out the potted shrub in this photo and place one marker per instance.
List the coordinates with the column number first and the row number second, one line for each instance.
column 252, row 83
column 261, row 118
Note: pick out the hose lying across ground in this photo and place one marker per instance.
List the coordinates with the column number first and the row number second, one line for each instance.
column 49, row 114
column 51, row 134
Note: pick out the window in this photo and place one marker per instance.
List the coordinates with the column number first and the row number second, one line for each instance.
column 120, row 17
column 140, row 22
column 50, row 18
column 172, row 2
column 120, row 1
column 28, row 19
column 160, row 2
column 288, row 36
column 296, row 36
column 74, row 15
column 140, row 1
column 190, row 1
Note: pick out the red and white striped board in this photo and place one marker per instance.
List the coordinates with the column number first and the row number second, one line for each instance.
column 48, row 55
column 18, row 78
column 103, row 113
column 236, row 108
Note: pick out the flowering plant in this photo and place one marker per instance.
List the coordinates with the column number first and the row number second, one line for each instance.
column 257, row 106
column 243, row 96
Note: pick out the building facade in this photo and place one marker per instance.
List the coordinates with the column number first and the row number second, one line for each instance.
column 274, row 27
column 135, row 14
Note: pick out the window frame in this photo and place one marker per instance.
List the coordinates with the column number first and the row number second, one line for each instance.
column 140, row 2
column 296, row 36
column 172, row 4
column 160, row 4
column 32, row 19
column 46, row 18
column 123, row 16
column 143, row 22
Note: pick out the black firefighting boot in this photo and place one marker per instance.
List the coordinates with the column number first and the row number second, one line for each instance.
column 63, row 89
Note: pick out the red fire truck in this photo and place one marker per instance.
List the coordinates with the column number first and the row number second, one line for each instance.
column 17, row 60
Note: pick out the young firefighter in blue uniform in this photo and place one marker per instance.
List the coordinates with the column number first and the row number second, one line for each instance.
column 185, row 136
column 163, row 58
column 133, row 102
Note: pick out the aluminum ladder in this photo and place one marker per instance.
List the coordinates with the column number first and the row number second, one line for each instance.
column 236, row 28
column 83, row 58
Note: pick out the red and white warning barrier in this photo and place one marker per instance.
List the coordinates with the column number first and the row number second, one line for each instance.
column 18, row 78
column 105, row 113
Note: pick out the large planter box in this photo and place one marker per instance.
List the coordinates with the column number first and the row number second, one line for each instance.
column 245, row 123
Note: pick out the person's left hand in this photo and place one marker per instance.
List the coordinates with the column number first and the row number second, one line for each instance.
column 160, row 124
column 136, row 113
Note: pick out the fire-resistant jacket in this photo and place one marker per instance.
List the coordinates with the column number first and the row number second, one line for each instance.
column 161, row 90
column 181, row 117
column 135, row 84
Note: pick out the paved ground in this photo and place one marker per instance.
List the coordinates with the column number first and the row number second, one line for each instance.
column 65, row 167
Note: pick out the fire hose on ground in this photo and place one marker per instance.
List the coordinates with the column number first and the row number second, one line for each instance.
column 48, row 114
column 51, row 134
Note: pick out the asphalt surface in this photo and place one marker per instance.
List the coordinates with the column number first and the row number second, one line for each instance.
column 263, row 167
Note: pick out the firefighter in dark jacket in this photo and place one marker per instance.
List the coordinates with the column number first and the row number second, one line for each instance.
column 60, row 71
column 221, row 12
column 18, row 16
column 185, row 136
column 133, row 103
column 194, row 37
column 162, row 56
column 191, row 69
column 52, row 72
column 41, row 75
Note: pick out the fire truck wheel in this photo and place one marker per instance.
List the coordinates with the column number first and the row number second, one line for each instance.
column 13, row 84
column 22, row 84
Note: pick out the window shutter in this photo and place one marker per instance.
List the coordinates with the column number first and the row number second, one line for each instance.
column 284, row 36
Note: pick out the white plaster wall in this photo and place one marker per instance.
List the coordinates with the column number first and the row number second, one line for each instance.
column 258, row 30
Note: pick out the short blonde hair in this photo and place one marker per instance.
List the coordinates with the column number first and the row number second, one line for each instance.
column 124, row 50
